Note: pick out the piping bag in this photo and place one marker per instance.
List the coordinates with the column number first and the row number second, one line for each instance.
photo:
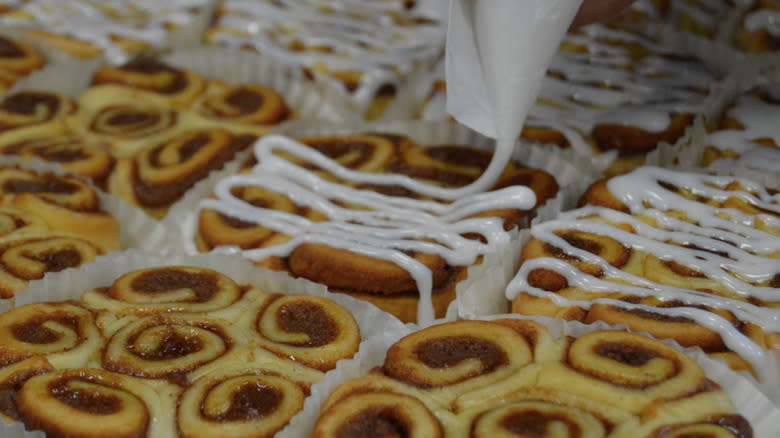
column 496, row 56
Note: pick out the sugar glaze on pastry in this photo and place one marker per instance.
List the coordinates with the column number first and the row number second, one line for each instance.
column 719, row 242
column 385, row 229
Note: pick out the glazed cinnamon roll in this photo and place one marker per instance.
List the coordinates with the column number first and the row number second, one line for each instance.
column 32, row 108
column 91, row 402
column 54, row 142
column 68, row 204
column 253, row 105
column 666, row 253
column 602, row 384
column 179, row 88
column 235, row 218
column 64, row 333
column 168, row 346
column 310, row 330
column 161, row 173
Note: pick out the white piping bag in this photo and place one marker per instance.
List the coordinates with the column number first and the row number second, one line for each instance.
column 496, row 57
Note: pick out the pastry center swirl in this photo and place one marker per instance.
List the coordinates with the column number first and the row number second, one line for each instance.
column 35, row 331
column 632, row 355
column 170, row 343
column 374, row 422
column 38, row 186
column 155, row 282
column 450, row 351
column 8, row 49
column 29, row 103
column 85, row 400
column 252, row 400
column 308, row 318
column 535, row 423
column 245, row 101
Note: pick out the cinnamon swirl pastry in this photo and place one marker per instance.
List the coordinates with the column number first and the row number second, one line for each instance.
column 27, row 108
column 69, row 205
column 248, row 104
column 680, row 256
column 389, row 279
column 64, row 333
column 481, row 379
column 90, row 402
column 54, row 142
column 17, row 60
column 162, row 172
column 126, row 120
column 178, row 88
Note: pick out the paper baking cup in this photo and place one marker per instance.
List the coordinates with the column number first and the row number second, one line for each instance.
column 762, row 414
column 482, row 293
column 136, row 229
column 72, row 284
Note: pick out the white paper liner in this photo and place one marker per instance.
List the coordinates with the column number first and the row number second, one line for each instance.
column 72, row 284
column 762, row 414
column 482, row 293
column 136, row 229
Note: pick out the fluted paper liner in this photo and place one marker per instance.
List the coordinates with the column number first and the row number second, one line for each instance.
column 72, row 284
column 759, row 410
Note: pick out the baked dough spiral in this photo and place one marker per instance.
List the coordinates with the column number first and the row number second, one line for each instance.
column 26, row 108
column 253, row 105
column 162, row 173
column 311, row 330
column 68, row 204
column 178, row 87
column 164, row 290
column 17, row 59
column 537, row 419
column 250, row 403
column 54, row 142
column 91, row 403
column 168, row 346
column 64, row 333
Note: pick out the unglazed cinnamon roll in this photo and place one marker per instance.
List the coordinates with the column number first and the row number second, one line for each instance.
column 162, row 172
column 64, row 333
column 125, row 120
column 680, row 256
column 481, row 379
column 236, row 216
column 56, row 143
column 32, row 108
column 310, row 330
column 69, row 205
column 91, row 402
column 17, row 60
column 252, row 105
column 178, row 88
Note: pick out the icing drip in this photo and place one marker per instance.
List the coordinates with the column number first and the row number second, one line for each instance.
column 385, row 227
column 382, row 40
column 721, row 243
column 758, row 118
column 98, row 22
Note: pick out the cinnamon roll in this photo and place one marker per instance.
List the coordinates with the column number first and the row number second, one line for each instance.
column 235, row 217
column 677, row 255
column 162, row 172
column 248, row 104
column 32, row 108
column 54, row 142
column 178, row 88
column 310, row 330
column 64, row 333
column 602, row 384
column 168, row 346
column 91, row 402
column 68, row 204
column 17, row 59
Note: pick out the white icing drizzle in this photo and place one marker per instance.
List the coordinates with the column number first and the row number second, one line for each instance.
column 765, row 19
column 758, row 117
column 727, row 246
column 97, row 21
column 360, row 36
column 384, row 229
